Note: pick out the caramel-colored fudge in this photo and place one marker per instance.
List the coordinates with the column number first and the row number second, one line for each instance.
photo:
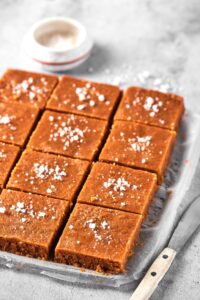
column 16, row 122
column 85, row 98
column 26, row 87
column 30, row 223
column 139, row 146
column 119, row 187
column 98, row 238
column 70, row 135
column 8, row 155
column 151, row 107
column 48, row 174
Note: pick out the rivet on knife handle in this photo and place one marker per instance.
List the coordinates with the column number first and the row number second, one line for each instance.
column 154, row 275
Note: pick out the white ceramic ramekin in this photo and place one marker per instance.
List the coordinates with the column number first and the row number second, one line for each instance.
column 52, row 59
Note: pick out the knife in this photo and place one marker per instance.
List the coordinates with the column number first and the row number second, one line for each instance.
column 187, row 225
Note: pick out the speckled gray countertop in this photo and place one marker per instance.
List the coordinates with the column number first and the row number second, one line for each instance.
column 130, row 36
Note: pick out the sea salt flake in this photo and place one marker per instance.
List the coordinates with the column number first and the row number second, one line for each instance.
column 152, row 114
column 71, row 226
column 49, row 191
column 97, row 236
column 31, row 95
column 101, row 97
column 20, row 204
column 43, row 171
column 2, row 154
column 92, row 225
column 148, row 103
column 5, row 120
column 139, row 144
column 41, row 214
column 88, row 85
column 81, row 106
column 104, row 224
column 81, row 97
column 92, row 103
column 23, row 220
column 119, row 184
column 30, row 80
column 51, row 118
column 89, row 221
column 2, row 210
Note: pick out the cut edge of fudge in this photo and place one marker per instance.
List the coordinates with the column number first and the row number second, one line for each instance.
column 99, row 264
column 15, row 159
column 27, row 248
column 167, row 159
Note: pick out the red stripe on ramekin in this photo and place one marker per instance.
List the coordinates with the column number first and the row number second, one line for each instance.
column 62, row 63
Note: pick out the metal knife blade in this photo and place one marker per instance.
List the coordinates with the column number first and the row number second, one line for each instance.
column 187, row 225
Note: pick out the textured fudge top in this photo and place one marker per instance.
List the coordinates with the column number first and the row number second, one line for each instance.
column 48, row 174
column 30, row 218
column 16, row 121
column 84, row 97
column 26, row 87
column 68, row 134
column 119, row 187
column 151, row 107
column 140, row 146
column 8, row 154
column 100, row 232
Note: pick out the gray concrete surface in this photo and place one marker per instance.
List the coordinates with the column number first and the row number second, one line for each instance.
column 130, row 36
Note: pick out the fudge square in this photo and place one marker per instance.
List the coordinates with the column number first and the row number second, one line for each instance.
column 26, row 87
column 85, row 98
column 16, row 122
column 151, row 107
column 48, row 174
column 68, row 134
column 119, row 187
column 30, row 223
column 98, row 238
column 8, row 156
column 139, row 146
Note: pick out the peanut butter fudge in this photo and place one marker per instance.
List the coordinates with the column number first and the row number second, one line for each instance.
column 139, row 146
column 68, row 134
column 30, row 223
column 98, row 238
column 151, row 107
column 48, row 174
column 84, row 97
column 16, row 122
column 26, row 87
column 8, row 155
column 119, row 187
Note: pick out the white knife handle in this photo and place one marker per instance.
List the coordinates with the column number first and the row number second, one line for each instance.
column 154, row 275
